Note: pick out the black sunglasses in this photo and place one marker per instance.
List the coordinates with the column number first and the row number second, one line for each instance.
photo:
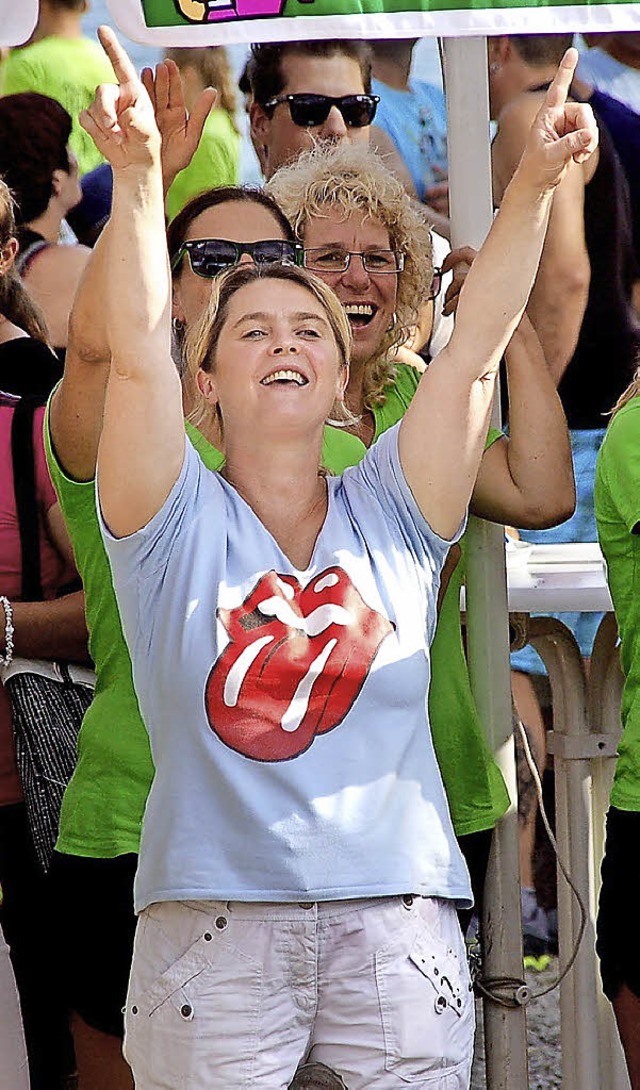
column 209, row 257
column 311, row 110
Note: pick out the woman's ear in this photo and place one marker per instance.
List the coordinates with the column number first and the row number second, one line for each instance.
column 8, row 254
column 177, row 310
column 207, row 387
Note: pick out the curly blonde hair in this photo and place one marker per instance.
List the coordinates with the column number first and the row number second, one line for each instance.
column 350, row 178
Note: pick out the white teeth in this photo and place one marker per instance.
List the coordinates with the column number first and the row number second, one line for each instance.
column 359, row 308
column 284, row 376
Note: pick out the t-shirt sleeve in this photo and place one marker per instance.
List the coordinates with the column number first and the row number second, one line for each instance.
column 150, row 547
column 381, row 474
column 620, row 465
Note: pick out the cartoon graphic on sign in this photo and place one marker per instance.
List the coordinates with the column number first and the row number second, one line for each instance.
column 210, row 11
column 296, row 660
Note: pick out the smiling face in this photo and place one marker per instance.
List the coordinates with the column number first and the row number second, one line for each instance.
column 277, row 364
column 236, row 221
column 368, row 298
column 278, row 138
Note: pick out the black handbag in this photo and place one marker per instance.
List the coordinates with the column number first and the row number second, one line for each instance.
column 48, row 699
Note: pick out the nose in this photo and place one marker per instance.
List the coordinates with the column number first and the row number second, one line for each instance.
column 246, row 259
column 334, row 127
column 356, row 276
column 284, row 347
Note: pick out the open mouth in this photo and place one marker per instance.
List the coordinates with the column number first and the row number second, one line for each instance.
column 285, row 378
column 360, row 314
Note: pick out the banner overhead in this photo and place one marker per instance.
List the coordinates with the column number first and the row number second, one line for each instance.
column 202, row 22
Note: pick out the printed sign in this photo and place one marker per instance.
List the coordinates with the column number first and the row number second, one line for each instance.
column 198, row 22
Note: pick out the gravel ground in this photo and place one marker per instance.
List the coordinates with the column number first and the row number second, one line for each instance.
column 543, row 1035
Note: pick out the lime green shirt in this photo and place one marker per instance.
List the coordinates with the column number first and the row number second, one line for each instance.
column 476, row 791
column 104, row 803
column 215, row 163
column 617, row 504
column 68, row 70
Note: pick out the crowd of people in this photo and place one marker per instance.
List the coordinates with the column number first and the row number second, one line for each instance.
column 260, row 417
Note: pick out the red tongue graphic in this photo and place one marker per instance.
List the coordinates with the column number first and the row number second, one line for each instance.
column 296, row 661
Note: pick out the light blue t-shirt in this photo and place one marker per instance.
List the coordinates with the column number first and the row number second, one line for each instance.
column 416, row 121
column 287, row 709
column 607, row 74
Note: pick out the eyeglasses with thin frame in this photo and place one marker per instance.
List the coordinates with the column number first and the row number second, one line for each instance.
column 436, row 283
column 209, row 257
column 329, row 259
column 309, row 110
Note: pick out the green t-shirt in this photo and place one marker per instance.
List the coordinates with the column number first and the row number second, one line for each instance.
column 104, row 803
column 68, row 70
column 617, row 504
column 216, row 162
column 476, row 791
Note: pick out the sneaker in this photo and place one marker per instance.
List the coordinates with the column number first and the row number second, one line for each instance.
column 535, row 927
column 537, row 964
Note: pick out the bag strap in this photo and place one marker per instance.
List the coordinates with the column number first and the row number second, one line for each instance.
column 24, row 483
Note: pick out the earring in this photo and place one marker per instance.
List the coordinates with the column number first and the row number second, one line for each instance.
column 494, row 67
column 177, row 325
column 393, row 323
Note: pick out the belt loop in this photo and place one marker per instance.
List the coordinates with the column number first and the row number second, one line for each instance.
column 407, row 900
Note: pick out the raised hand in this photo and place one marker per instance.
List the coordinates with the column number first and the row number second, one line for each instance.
column 459, row 261
column 120, row 119
column 562, row 131
column 180, row 131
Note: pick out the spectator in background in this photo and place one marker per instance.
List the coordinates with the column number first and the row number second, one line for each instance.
column 612, row 64
column 53, row 628
column 290, row 83
column 581, row 309
column 217, row 159
column 63, row 64
column 41, row 171
column 27, row 364
column 414, row 115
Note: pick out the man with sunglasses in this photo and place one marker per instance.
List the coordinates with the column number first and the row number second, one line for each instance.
column 306, row 92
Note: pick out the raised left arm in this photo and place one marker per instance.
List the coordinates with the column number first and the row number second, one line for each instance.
column 526, row 480
column 442, row 435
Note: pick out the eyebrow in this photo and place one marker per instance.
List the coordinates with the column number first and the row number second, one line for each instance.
column 297, row 316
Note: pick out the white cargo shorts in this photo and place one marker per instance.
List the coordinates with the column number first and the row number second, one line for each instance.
column 231, row 995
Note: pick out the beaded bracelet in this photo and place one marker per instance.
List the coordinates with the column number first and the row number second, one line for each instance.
column 5, row 660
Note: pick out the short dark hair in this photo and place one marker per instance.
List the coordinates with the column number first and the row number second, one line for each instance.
column 177, row 229
column 34, row 133
column 264, row 67
column 541, row 49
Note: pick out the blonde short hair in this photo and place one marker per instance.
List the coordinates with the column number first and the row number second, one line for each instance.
column 201, row 340
column 352, row 178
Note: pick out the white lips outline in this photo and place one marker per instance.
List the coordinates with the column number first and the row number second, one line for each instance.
column 311, row 626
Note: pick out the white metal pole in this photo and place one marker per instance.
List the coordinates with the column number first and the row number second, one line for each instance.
column 465, row 74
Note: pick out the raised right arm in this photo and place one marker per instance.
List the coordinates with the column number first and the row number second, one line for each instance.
column 77, row 406
column 142, row 443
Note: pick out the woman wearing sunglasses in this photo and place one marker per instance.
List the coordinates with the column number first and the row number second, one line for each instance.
column 372, row 245
column 94, row 865
column 298, row 872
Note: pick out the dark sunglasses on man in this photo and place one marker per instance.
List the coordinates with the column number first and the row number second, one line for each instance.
column 307, row 111
column 209, row 257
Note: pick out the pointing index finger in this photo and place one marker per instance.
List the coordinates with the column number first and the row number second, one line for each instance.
column 559, row 88
column 122, row 66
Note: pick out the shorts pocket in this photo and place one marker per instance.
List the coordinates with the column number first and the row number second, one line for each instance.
column 198, row 1021
column 427, row 1009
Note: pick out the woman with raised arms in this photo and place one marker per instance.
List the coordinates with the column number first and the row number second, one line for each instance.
column 298, row 871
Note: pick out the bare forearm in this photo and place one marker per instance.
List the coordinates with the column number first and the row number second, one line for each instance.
column 50, row 630
column 503, row 272
column 139, row 285
column 88, row 338
column 557, row 308
column 539, row 451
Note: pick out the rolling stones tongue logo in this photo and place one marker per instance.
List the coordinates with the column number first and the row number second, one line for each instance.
column 296, row 661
